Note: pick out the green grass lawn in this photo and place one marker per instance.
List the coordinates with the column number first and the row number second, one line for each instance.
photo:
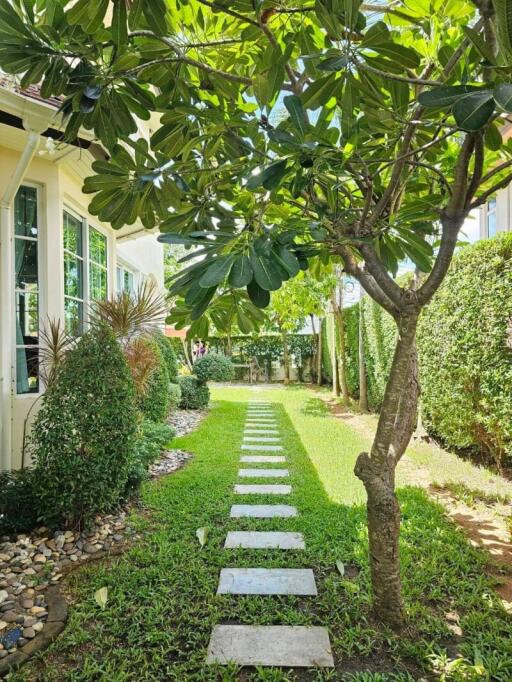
column 162, row 603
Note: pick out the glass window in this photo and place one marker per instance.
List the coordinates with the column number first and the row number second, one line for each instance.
column 125, row 280
column 492, row 226
column 73, row 274
column 97, row 265
column 26, row 260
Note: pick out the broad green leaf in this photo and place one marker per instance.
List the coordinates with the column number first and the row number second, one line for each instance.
column 444, row 96
column 217, row 272
column 377, row 33
column 492, row 137
column 294, row 107
column 101, row 597
column 241, row 272
column 503, row 96
column 269, row 177
column 405, row 56
column 335, row 63
column 503, row 23
column 479, row 43
column 203, row 303
column 265, row 272
column 341, row 567
column 260, row 297
column 287, row 260
column 320, row 91
column 472, row 112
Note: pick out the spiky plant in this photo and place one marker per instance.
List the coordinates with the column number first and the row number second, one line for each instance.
column 142, row 362
column 56, row 342
column 132, row 315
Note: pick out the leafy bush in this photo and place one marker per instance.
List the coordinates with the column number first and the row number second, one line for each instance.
column 169, row 355
column 83, row 436
column 174, row 395
column 152, row 439
column 18, row 501
column 194, row 393
column 465, row 347
column 155, row 402
column 214, row 367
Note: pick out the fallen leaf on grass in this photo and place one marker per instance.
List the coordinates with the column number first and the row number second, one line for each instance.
column 202, row 535
column 101, row 597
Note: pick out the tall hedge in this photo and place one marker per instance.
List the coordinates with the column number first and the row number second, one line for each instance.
column 169, row 355
column 465, row 343
column 156, row 401
column 84, row 434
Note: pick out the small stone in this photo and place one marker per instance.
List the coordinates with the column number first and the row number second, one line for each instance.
column 38, row 626
column 29, row 622
column 73, row 557
column 40, row 559
column 29, row 633
column 91, row 549
column 27, row 603
column 37, row 611
column 4, row 595
column 3, row 653
column 117, row 537
column 22, row 641
column 3, row 625
column 10, row 616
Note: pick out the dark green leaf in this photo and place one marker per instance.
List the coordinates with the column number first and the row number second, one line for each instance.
column 294, row 107
column 444, row 96
column 265, row 272
column 241, row 272
column 493, row 139
column 260, row 297
column 270, row 177
column 217, row 272
column 473, row 111
column 503, row 96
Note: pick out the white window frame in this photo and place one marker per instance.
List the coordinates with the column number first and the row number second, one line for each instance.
column 122, row 268
column 490, row 212
column 41, row 246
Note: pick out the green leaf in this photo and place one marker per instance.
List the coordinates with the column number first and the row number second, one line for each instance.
column 270, row 177
column 203, row 303
column 287, row 260
column 479, row 43
column 405, row 56
column 319, row 92
column 492, row 137
column 241, row 272
column 335, row 63
column 265, row 272
column 445, row 95
column 473, row 111
column 377, row 33
column 341, row 567
column 101, row 597
column 294, row 107
column 503, row 96
column 202, row 535
column 260, row 297
column 217, row 272
column 503, row 23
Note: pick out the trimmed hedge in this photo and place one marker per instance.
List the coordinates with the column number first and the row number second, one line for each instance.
column 174, row 395
column 194, row 393
column 169, row 355
column 214, row 367
column 465, row 343
column 152, row 439
column 83, row 436
column 18, row 501
column 156, row 401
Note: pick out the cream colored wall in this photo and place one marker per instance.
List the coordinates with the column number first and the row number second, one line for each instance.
column 60, row 187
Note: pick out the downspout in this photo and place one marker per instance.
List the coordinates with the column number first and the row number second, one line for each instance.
column 7, row 296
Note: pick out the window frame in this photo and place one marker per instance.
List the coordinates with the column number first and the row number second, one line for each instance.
column 40, row 240
column 491, row 212
column 122, row 268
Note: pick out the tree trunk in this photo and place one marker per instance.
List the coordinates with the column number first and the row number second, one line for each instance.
column 286, row 357
column 363, row 386
column 229, row 345
column 334, row 360
column 339, row 320
column 319, row 355
column 377, row 472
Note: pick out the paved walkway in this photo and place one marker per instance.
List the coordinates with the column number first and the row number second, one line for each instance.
column 267, row 645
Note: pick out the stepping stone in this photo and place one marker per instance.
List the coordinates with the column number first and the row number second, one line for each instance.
column 261, row 439
column 262, row 489
column 260, row 539
column 267, row 581
column 263, row 473
column 291, row 646
column 266, row 448
column 263, row 458
column 261, row 423
column 262, row 511
column 262, row 432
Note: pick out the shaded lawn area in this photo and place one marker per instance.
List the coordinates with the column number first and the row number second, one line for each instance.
column 162, row 603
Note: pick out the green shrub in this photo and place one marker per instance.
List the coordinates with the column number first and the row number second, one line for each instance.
column 174, row 395
column 214, row 367
column 83, row 436
column 194, row 393
column 152, row 439
column 169, row 355
column 155, row 403
column 18, row 501
column 464, row 340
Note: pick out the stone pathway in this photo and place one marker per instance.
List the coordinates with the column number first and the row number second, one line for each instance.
column 270, row 645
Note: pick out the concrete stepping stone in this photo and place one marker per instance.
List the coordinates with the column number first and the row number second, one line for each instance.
column 263, row 458
column 262, row 511
column 299, row 581
column 261, row 424
column 262, row 439
column 262, row 489
column 260, row 539
column 291, row 646
column 266, row 448
column 262, row 432
column 263, row 473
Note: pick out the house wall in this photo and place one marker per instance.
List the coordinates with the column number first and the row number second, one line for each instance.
column 59, row 186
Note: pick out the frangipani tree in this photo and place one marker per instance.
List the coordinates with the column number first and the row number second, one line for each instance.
column 392, row 134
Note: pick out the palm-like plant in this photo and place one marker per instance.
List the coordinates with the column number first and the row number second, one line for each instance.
column 55, row 343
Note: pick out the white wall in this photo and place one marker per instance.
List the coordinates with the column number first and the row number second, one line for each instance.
column 145, row 254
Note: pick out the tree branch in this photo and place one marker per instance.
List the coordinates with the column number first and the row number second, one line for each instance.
column 395, row 77
column 379, row 273
column 231, row 12
column 477, row 170
column 495, row 188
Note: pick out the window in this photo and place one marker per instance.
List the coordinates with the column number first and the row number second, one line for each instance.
column 85, row 279
column 73, row 274
column 491, row 218
column 125, row 280
column 26, row 259
column 97, row 265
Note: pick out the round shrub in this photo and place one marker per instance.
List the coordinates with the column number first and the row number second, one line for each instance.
column 169, row 355
column 83, row 436
column 152, row 439
column 155, row 402
column 465, row 345
column 194, row 393
column 18, row 501
column 214, row 367
column 174, row 395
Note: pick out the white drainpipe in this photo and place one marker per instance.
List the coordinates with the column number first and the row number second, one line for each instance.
column 7, row 293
